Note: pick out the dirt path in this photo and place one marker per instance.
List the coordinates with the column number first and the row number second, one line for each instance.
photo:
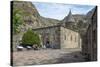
column 46, row 56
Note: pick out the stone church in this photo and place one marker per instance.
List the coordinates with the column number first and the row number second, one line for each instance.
column 58, row 36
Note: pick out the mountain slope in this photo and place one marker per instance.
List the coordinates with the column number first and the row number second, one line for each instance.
column 31, row 17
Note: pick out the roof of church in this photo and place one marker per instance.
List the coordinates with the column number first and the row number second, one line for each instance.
column 47, row 27
column 91, row 12
column 69, row 18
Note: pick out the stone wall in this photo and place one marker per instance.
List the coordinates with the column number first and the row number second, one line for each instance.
column 59, row 37
column 69, row 38
column 50, row 34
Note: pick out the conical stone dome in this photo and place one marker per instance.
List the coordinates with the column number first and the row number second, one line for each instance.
column 70, row 18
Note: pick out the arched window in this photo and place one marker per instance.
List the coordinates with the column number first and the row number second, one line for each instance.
column 75, row 39
column 54, row 37
column 65, row 37
column 71, row 38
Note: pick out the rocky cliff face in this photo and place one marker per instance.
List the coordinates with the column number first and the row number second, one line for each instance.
column 32, row 18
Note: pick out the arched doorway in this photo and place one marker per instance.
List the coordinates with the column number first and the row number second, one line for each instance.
column 47, row 40
column 47, row 43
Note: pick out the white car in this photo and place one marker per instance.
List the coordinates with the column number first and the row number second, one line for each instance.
column 19, row 48
column 28, row 47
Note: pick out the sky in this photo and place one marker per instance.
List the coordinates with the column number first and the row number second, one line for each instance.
column 59, row 11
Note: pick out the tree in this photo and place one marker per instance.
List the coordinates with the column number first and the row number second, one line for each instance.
column 17, row 20
column 31, row 38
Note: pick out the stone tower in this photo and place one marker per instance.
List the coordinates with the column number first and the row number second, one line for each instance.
column 68, row 19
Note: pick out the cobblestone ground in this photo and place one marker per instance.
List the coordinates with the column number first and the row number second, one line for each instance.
column 46, row 56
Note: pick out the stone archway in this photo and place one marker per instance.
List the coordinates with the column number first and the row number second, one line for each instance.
column 47, row 43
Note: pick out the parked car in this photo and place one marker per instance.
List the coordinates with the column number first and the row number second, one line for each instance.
column 28, row 47
column 19, row 48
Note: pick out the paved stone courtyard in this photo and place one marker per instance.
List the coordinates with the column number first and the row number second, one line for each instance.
column 46, row 56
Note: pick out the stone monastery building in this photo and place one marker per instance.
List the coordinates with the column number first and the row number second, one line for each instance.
column 58, row 36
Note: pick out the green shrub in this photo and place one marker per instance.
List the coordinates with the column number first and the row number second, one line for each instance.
column 31, row 38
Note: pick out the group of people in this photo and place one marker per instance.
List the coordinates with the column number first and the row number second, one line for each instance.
column 47, row 45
